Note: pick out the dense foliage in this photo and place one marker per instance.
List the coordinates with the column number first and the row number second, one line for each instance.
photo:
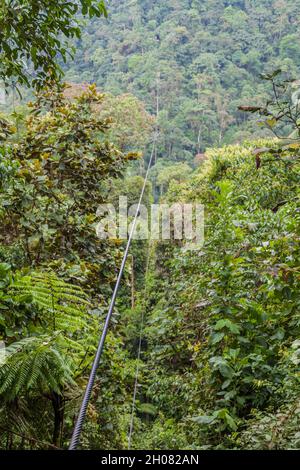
column 31, row 37
column 193, row 62
column 222, row 362
column 53, row 177
column 218, row 326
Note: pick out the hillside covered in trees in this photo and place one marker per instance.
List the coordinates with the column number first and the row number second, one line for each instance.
column 192, row 62
column 203, row 348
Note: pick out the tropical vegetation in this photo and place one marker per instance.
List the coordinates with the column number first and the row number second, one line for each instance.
column 203, row 349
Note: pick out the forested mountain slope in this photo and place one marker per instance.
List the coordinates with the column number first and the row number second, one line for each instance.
column 192, row 61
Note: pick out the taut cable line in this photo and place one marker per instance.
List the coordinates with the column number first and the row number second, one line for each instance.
column 88, row 391
column 137, row 371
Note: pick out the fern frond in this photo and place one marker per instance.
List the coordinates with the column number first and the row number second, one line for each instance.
column 35, row 362
column 46, row 360
column 64, row 305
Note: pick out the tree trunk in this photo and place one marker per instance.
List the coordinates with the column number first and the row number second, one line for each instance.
column 58, row 408
column 132, row 283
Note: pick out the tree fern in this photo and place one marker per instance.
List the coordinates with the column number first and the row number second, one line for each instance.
column 64, row 305
column 35, row 362
column 47, row 359
column 45, row 364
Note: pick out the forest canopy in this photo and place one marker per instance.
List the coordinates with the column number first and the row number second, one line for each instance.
column 31, row 37
column 193, row 62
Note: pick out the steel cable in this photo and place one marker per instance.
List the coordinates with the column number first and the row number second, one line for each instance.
column 88, row 391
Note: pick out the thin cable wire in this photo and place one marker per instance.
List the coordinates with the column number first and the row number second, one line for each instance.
column 136, row 382
column 137, row 371
column 88, row 391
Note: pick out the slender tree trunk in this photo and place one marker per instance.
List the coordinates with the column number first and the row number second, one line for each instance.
column 58, row 408
column 132, row 283
column 199, row 140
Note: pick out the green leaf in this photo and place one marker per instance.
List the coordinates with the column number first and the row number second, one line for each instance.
column 204, row 419
column 217, row 337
